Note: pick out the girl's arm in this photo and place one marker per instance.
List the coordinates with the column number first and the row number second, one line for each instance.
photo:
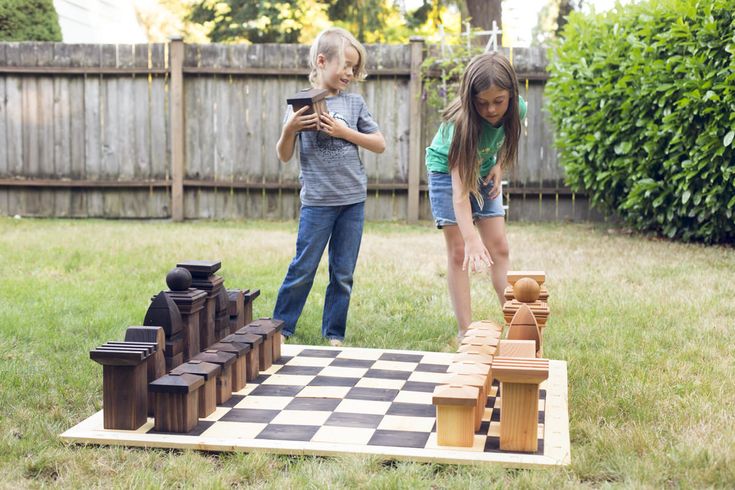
column 337, row 129
column 297, row 122
column 475, row 254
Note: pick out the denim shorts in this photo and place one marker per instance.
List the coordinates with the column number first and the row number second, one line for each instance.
column 440, row 196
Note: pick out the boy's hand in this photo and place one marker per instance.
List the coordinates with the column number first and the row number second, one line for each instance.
column 496, row 176
column 299, row 122
column 335, row 128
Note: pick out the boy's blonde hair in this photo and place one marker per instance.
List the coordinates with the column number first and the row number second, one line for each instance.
column 332, row 42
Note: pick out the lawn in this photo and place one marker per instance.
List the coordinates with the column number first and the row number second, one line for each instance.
column 646, row 327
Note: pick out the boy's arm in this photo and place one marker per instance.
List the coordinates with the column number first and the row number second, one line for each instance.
column 475, row 253
column 295, row 123
column 374, row 142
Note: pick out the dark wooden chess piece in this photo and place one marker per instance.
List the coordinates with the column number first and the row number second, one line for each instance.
column 177, row 402
column 190, row 302
column 204, row 278
column 252, row 362
column 164, row 313
column 208, row 392
column 315, row 98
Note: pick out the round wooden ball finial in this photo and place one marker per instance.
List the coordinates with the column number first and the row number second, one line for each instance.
column 526, row 290
column 178, row 279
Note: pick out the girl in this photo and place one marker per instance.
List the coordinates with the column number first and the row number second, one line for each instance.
column 333, row 182
column 476, row 142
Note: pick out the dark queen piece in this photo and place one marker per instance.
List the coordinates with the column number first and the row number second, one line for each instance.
column 178, row 279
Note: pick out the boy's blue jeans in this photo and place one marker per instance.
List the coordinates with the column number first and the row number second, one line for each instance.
column 341, row 227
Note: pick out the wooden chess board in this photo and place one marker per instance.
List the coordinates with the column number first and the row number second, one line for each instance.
column 331, row 401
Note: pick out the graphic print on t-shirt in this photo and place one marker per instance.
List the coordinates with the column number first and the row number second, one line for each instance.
column 330, row 147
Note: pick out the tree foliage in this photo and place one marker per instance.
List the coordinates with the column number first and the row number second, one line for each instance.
column 29, row 20
column 643, row 102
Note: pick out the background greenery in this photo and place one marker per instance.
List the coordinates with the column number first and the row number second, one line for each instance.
column 29, row 20
column 643, row 100
column 644, row 325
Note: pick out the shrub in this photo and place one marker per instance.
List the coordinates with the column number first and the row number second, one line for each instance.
column 643, row 104
column 29, row 20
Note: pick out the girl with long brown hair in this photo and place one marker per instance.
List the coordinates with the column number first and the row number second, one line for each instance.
column 476, row 142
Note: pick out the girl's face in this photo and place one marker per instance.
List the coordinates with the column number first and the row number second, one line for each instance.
column 492, row 104
column 336, row 75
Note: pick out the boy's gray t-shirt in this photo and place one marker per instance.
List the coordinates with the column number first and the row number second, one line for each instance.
column 331, row 172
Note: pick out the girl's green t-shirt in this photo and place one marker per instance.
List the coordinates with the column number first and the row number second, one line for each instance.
column 491, row 138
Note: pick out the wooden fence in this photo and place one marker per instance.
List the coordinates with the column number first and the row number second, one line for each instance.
column 189, row 131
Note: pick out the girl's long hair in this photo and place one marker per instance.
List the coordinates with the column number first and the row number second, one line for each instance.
column 483, row 71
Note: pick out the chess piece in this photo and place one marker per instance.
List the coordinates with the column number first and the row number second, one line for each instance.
column 190, row 303
column 203, row 278
column 177, row 402
column 208, row 392
column 224, row 380
column 252, row 361
column 455, row 414
column 164, row 313
column 314, row 98
column 520, row 379
column 239, row 368
column 524, row 327
column 124, row 378
column 526, row 290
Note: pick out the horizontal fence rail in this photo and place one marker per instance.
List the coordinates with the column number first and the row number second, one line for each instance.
column 189, row 131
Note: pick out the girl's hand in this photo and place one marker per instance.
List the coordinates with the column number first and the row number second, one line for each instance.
column 476, row 255
column 496, row 176
column 299, row 122
column 335, row 128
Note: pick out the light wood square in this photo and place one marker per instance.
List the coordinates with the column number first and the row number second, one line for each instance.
column 301, row 417
column 494, row 430
column 310, row 361
column 234, row 430
column 343, row 372
column 361, row 354
column 218, row 413
column 323, row 392
column 387, row 384
column 477, row 446
column 423, row 377
column 487, row 414
column 288, row 380
column 343, row 435
column 264, row 402
column 273, row 369
column 438, row 358
column 246, row 390
column 402, row 422
column 414, row 397
column 395, row 365
column 363, row 406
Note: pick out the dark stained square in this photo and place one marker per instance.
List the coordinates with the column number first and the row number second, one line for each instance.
column 316, row 404
column 234, row 400
column 495, row 417
column 363, row 420
column 490, row 402
column 412, row 409
column 282, row 432
column 333, row 381
column 319, row 353
column 374, row 394
column 542, row 394
column 196, row 431
column 432, row 368
column 388, row 356
column 399, row 438
column 352, row 363
column 302, row 370
column 387, row 374
column 260, row 378
column 276, row 390
column 255, row 415
column 492, row 445
column 421, row 386
column 283, row 360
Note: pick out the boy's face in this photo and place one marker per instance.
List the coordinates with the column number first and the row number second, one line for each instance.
column 337, row 75
column 492, row 104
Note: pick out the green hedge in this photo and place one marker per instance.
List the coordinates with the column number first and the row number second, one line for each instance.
column 643, row 103
column 29, row 20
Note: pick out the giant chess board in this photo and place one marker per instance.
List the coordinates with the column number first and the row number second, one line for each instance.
column 331, row 401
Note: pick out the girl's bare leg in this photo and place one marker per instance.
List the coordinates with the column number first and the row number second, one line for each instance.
column 459, row 281
column 492, row 232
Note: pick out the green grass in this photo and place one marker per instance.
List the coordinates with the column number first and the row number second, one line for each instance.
column 646, row 327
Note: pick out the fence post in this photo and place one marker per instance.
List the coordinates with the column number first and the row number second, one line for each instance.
column 176, row 104
column 414, row 131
